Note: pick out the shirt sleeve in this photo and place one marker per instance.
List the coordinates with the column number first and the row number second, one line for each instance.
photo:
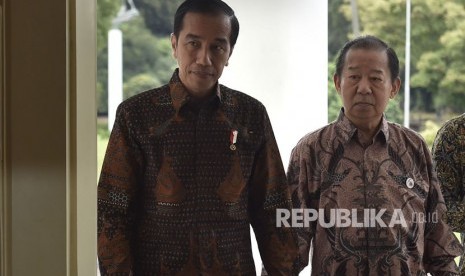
column 269, row 193
column 449, row 161
column 116, row 198
column 441, row 245
column 304, row 196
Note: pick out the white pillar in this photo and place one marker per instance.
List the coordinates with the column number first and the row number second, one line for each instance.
column 281, row 59
column 407, row 67
column 115, row 73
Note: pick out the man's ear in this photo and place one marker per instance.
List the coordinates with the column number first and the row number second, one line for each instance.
column 230, row 53
column 174, row 44
column 337, row 83
column 395, row 88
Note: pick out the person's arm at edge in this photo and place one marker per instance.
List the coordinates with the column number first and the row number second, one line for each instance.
column 298, row 176
column 269, row 192
column 116, row 193
column 449, row 169
column 441, row 245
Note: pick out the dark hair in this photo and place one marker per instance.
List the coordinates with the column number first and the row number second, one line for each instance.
column 207, row 7
column 369, row 42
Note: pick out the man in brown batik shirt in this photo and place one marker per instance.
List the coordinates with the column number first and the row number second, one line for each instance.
column 380, row 208
column 190, row 165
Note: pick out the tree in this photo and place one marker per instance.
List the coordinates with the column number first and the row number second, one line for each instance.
column 334, row 100
column 106, row 11
column 147, row 57
column 442, row 70
column 146, row 53
column 339, row 28
column 437, row 56
column 429, row 132
column 158, row 15
column 139, row 83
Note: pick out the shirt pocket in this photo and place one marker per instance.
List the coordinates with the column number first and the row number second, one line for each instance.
column 242, row 158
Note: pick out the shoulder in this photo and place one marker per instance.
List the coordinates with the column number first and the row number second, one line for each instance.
column 310, row 139
column 138, row 111
column 323, row 132
column 452, row 126
column 405, row 138
column 401, row 134
column 239, row 99
column 146, row 98
column 451, row 135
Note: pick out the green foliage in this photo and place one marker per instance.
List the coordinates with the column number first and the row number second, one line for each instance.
column 102, row 98
column 145, row 53
column 393, row 111
column 442, row 70
column 437, row 51
column 103, row 136
column 429, row 132
column 102, row 129
column 147, row 62
column 339, row 28
column 158, row 15
column 106, row 11
column 437, row 48
column 334, row 100
column 140, row 83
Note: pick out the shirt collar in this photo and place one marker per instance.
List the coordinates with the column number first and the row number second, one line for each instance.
column 179, row 94
column 348, row 130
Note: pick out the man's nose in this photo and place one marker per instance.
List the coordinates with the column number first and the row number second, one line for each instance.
column 203, row 57
column 364, row 86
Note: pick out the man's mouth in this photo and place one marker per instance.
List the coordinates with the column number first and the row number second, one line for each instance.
column 201, row 73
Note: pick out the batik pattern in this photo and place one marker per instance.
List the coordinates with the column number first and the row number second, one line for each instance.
column 330, row 170
column 177, row 195
column 449, row 161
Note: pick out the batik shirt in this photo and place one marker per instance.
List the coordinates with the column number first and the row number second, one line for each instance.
column 449, row 161
column 182, row 182
column 388, row 199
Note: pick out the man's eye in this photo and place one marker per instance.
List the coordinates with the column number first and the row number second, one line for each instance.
column 193, row 43
column 218, row 48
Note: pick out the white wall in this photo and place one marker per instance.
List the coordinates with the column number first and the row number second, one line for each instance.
column 281, row 59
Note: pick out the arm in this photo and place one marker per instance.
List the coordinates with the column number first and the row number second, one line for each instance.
column 441, row 245
column 116, row 193
column 299, row 175
column 269, row 192
column 449, row 161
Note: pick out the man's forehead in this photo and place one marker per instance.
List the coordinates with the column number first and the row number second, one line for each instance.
column 356, row 58
column 199, row 37
column 202, row 26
